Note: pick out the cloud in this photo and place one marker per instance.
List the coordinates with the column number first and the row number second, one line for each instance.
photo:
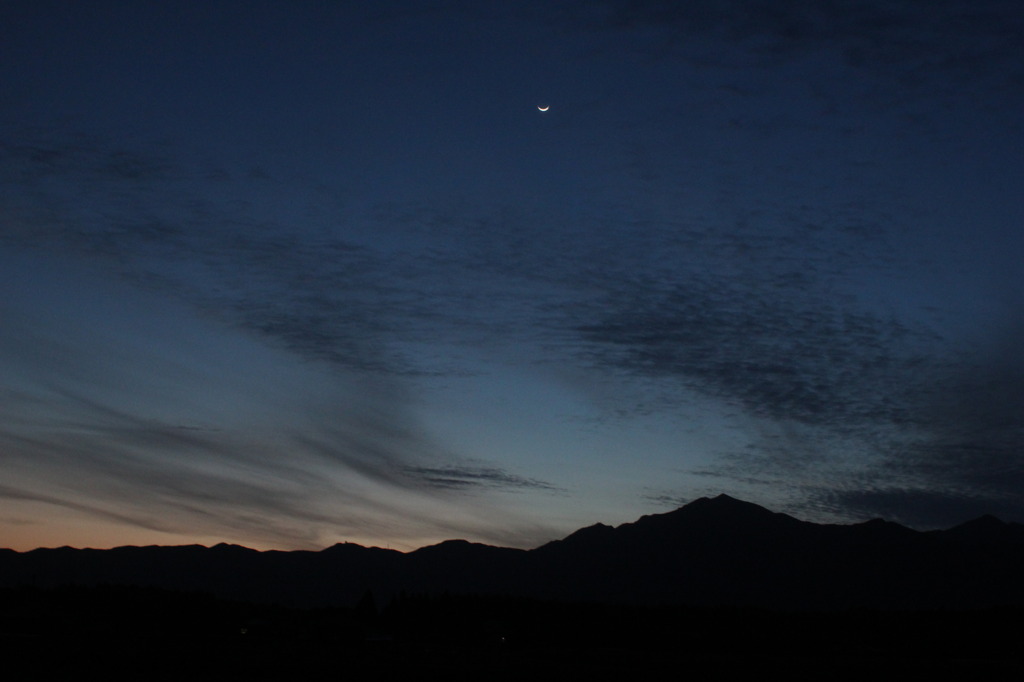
column 770, row 331
column 921, row 508
column 738, row 249
column 909, row 42
column 151, row 474
column 954, row 451
column 322, row 297
column 463, row 477
column 361, row 299
column 19, row 494
column 759, row 316
column 122, row 406
column 342, row 481
column 970, row 444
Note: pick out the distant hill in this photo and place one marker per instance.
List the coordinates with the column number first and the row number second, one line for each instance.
column 717, row 552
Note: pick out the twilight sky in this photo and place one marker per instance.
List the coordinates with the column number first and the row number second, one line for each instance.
column 286, row 274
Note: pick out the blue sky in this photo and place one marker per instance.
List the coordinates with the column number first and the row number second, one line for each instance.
column 288, row 274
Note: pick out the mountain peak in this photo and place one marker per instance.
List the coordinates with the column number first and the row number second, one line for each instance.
column 986, row 521
column 721, row 513
column 591, row 533
column 724, row 504
column 723, row 500
column 985, row 530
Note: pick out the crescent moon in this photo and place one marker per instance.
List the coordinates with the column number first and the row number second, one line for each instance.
column 544, row 108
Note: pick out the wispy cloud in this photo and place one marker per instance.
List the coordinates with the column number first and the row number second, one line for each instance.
column 742, row 237
column 462, row 477
column 950, row 453
column 914, row 44
column 967, row 457
column 192, row 428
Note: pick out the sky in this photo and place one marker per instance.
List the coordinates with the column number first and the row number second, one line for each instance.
column 286, row 274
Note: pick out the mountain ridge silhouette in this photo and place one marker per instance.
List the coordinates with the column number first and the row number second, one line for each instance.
column 717, row 551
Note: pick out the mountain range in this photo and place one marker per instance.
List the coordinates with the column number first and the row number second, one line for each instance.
column 715, row 552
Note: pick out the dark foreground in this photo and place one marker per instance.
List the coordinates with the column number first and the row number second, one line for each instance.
column 160, row 634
